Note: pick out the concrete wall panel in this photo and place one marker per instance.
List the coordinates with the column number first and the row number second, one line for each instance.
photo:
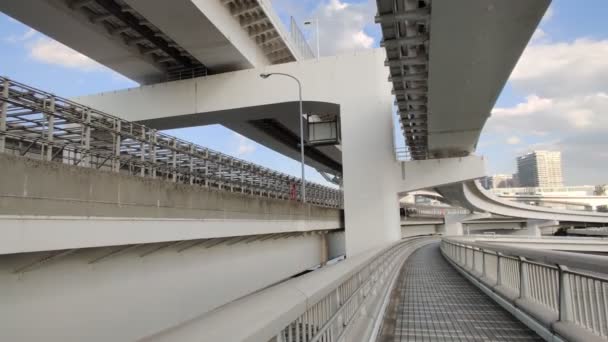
column 129, row 296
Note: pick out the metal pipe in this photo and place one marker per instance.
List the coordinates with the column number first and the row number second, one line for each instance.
column 264, row 76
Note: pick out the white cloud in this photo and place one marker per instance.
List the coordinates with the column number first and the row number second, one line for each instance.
column 362, row 39
column 548, row 15
column 336, row 5
column 538, row 35
column 566, row 105
column 513, row 140
column 564, row 115
column 563, row 69
column 532, row 105
column 342, row 26
column 244, row 145
column 21, row 37
column 50, row 51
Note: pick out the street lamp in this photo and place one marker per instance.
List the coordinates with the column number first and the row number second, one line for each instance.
column 264, row 76
column 309, row 22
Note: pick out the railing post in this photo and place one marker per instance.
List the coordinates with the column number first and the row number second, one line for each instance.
column 174, row 160
column 153, row 152
column 523, row 278
column 117, row 137
column 191, row 164
column 498, row 270
column 473, row 257
column 565, row 294
column 86, row 139
column 50, row 131
column 483, row 263
column 142, row 171
column 3, row 114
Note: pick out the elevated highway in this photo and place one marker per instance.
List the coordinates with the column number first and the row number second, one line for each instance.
column 158, row 41
column 222, row 246
column 473, row 196
column 448, row 62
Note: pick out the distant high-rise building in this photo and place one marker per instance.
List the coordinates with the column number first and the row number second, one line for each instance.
column 540, row 169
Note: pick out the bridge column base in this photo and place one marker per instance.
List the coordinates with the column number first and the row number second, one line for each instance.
column 453, row 223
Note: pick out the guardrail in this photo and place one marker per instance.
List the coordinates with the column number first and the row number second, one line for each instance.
column 567, row 293
column 40, row 125
column 319, row 306
column 299, row 40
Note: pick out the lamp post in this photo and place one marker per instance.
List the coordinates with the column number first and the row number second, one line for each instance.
column 264, row 76
column 309, row 22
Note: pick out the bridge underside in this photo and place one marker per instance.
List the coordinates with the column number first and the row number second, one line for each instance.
column 158, row 41
column 448, row 62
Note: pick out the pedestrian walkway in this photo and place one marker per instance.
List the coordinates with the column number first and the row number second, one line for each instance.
column 433, row 302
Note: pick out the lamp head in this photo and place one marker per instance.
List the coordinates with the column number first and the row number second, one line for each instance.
column 264, row 76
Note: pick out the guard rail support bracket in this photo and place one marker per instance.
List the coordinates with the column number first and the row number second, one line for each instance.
column 564, row 304
column 523, row 278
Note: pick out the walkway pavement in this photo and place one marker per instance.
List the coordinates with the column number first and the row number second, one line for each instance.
column 433, row 302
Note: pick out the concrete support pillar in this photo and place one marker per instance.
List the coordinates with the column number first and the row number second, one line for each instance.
column 453, row 223
column 324, row 248
column 371, row 205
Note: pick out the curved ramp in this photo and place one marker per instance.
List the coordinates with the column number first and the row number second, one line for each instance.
column 473, row 196
column 433, row 302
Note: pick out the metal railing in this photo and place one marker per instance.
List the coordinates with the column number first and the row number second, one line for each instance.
column 402, row 154
column 299, row 40
column 40, row 125
column 330, row 318
column 561, row 287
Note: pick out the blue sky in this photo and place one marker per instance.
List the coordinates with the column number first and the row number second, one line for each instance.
column 541, row 106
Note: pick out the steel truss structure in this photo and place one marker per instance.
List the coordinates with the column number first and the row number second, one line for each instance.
column 40, row 125
column 406, row 32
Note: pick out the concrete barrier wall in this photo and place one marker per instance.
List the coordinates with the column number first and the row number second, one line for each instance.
column 413, row 230
column 33, row 187
column 80, row 297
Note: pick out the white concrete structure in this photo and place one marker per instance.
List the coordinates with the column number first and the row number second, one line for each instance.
column 153, row 41
column 447, row 70
column 329, row 85
column 575, row 197
column 352, row 87
column 473, row 196
column 126, row 293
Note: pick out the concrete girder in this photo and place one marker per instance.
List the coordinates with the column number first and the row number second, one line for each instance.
column 128, row 288
column 406, row 61
column 410, row 40
column 471, row 195
column 414, row 15
column 424, row 174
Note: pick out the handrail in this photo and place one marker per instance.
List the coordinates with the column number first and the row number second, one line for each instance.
column 318, row 306
column 588, row 262
column 553, row 287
